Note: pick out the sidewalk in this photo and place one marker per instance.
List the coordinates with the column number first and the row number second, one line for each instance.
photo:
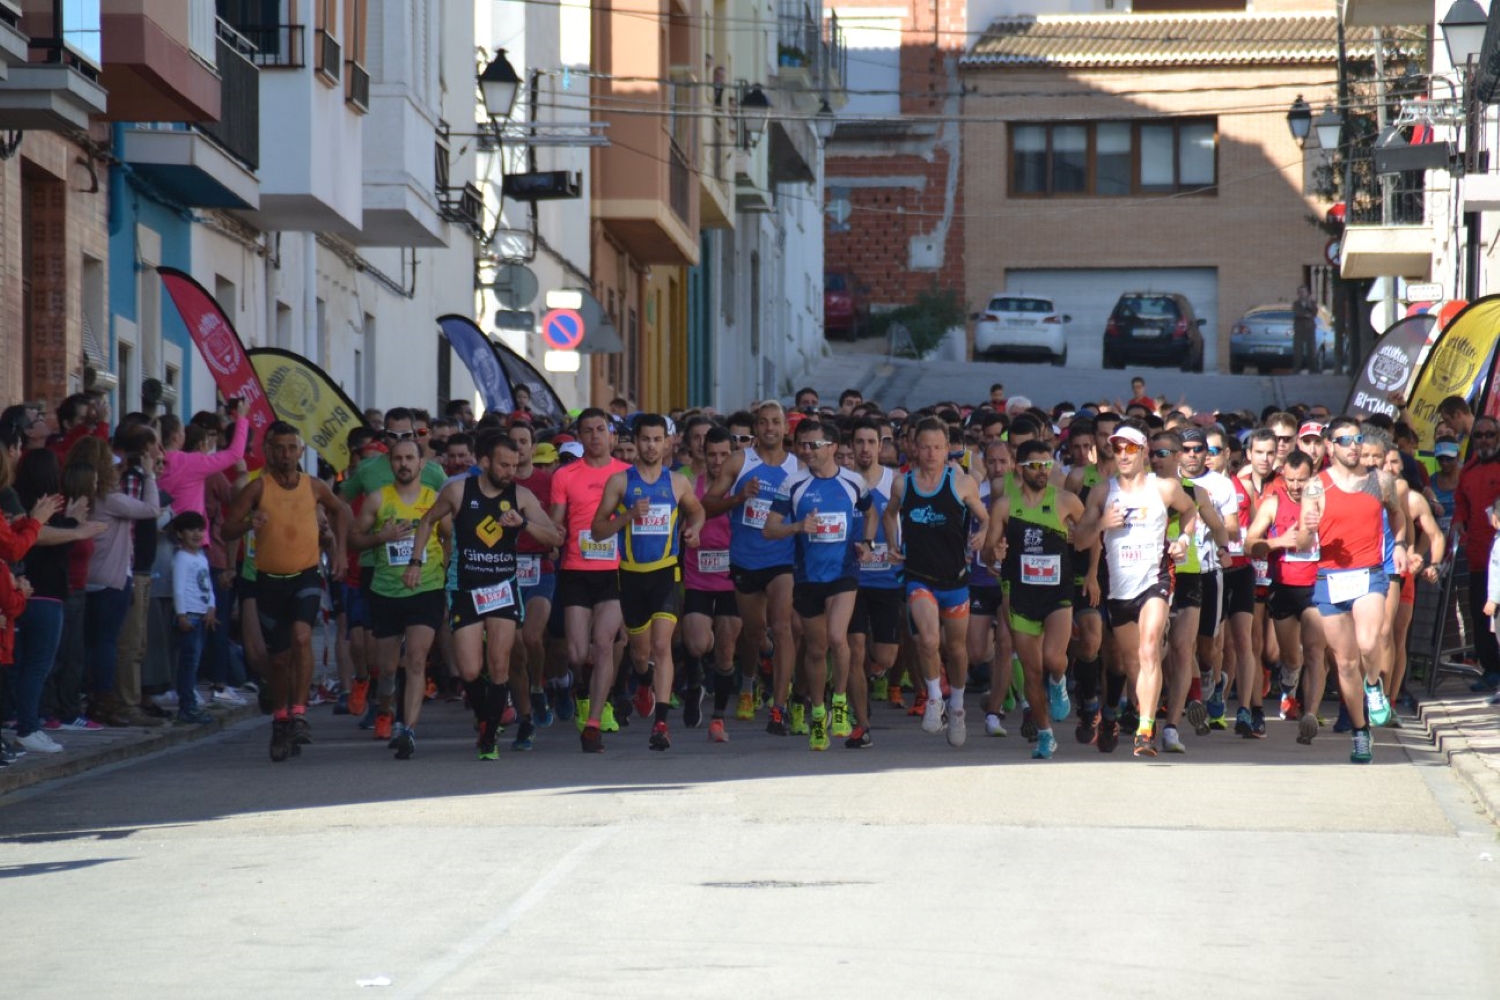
column 86, row 750
column 1466, row 731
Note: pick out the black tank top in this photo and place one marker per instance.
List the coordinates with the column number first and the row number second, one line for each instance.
column 485, row 552
column 935, row 533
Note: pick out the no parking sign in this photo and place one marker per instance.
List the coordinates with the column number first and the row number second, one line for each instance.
column 562, row 329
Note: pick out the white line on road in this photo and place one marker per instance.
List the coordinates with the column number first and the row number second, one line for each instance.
column 459, row 956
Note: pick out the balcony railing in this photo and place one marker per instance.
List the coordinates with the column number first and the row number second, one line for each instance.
column 1385, row 200
column 330, row 56
column 357, row 86
column 276, row 46
column 679, row 185
column 803, row 42
column 237, row 131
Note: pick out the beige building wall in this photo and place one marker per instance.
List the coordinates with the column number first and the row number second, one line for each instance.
column 1254, row 230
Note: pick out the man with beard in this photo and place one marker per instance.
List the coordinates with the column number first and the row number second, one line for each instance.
column 489, row 513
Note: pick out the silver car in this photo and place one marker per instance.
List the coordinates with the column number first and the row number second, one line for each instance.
column 1262, row 339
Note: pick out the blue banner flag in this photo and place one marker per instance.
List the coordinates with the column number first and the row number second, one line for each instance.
column 483, row 361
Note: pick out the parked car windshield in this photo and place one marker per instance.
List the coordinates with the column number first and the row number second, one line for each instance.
column 1147, row 307
column 834, row 283
column 1011, row 304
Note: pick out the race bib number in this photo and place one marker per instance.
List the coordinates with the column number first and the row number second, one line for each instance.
column 714, row 561
column 1293, row 556
column 830, row 528
column 1262, row 572
column 1041, row 571
column 593, row 551
column 880, row 559
column 756, row 510
column 1236, row 546
column 398, row 553
column 1136, row 555
column 494, row 598
column 1347, row 585
column 658, row 521
column 529, row 571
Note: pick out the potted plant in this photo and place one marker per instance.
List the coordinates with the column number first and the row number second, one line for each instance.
column 790, row 55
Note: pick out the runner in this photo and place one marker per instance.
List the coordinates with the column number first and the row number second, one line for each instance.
column 929, row 511
column 711, row 619
column 644, row 502
column 1132, row 514
column 875, row 629
column 404, row 617
column 989, row 632
column 761, row 568
column 1341, row 507
column 588, row 585
column 281, row 507
column 548, row 689
column 488, row 513
column 819, row 505
column 1421, row 526
column 1030, row 528
column 1203, row 460
column 1093, row 464
column 1243, row 581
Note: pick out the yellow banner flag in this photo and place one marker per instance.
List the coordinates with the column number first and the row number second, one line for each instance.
column 304, row 396
column 1455, row 365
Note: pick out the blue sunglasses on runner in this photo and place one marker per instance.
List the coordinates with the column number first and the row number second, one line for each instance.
column 1346, row 440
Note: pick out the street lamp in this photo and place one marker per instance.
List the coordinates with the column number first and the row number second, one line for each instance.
column 1463, row 31
column 1329, row 125
column 755, row 110
column 825, row 123
column 499, row 84
column 1299, row 119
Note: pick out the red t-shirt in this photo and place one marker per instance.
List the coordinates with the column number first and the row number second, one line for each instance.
column 539, row 483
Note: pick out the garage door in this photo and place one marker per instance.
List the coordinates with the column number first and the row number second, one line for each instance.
column 1089, row 294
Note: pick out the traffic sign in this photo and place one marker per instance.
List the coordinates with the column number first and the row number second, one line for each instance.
column 562, row 329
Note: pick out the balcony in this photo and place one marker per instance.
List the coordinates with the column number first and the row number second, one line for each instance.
column 330, row 56
column 1388, row 13
column 357, row 87
column 14, row 43
column 150, row 73
column 809, row 54
column 211, row 164
column 52, row 90
column 715, row 184
column 1389, row 233
column 277, row 46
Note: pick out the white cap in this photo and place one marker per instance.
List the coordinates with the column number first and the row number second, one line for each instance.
column 571, row 448
column 1123, row 433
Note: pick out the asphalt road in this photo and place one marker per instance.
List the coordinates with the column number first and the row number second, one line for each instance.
column 750, row 869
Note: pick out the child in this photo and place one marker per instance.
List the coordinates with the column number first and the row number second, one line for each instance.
column 1492, row 583
column 193, row 598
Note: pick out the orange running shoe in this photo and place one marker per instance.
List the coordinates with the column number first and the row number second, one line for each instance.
column 431, row 689
column 918, row 706
column 896, row 700
column 384, row 721
column 359, row 692
column 716, row 733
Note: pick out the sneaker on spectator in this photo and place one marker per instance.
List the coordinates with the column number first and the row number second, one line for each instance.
column 229, row 696
column 167, row 700
column 52, row 723
column 82, row 724
column 39, row 742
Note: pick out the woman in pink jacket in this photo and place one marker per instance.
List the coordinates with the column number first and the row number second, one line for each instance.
column 189, row 462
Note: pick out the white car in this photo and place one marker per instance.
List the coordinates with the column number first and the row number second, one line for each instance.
column 1021, row 325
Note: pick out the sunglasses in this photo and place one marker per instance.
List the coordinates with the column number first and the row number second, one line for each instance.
column 1128, row 447
column 1349, row 440
column 1193, row 449
column 744, row 438
column 819, row 443
column 1483, row 435
column 1036, row 466
column 401, row 435
column 1163, row 453
column 1285, row 439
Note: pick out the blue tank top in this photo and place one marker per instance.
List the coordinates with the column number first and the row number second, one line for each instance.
column 649, row 543
column 880, row 573
column 748, row 546
column 829, row 553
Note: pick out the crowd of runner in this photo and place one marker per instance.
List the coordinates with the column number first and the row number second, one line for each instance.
column 1131, row 570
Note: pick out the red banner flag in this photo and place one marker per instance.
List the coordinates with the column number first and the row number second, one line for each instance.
column 224, row 353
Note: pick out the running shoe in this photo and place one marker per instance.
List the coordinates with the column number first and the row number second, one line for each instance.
column 1046, row 745
column 541, row 711
column 744, row 708
column 1363, row 748
column 491, row 752
column 895, row 697
column 359, row 693
column 1029, row 728
column 659, row 739
column 1377, row 706
column 581, row 716
column 1109, row 735
column 1257, row 723
column 1197, row 716
column 367, row 718
column 932, row 716
column 1242, row 724
column 817, row 738
column 958, row 732
column 609, row 722
column 841, row 726
column 301, row 731
column 193, row 717
column 799, row 719
column 488, row 743
column 880, row 688
column 1343, row 723
column 1130, row 719
column 591, row 740
column 429, row 694
column 1058, row 704
column 1307, row 728
column 1215, row 703
column 1171, row 742
column 919, row 704
column 525, row 736
column 1143, row 746
column 563, row 705
column 1088, row 725
column 692, row 707
column 341, row 707
column 716, row 733
column 776, row 724
column 281, row 740
column 508, row 716
column 993, row 726
column 1265, row 687
column 859, row 739
column 1291, row 708
column 623, row 706
column 644, row 698
column 406, row 744
column 384, row 722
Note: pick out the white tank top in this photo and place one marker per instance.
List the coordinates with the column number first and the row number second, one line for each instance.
column 1135, row 552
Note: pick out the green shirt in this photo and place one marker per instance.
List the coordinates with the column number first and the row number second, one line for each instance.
column 373, row 475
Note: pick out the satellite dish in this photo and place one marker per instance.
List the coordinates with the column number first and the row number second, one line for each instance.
column 515, row 285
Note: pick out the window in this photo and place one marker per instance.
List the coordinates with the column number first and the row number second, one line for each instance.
column 1113, row 159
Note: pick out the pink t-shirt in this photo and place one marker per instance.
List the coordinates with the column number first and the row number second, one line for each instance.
column 581, row 487
column 707, row 566
column 184, row 472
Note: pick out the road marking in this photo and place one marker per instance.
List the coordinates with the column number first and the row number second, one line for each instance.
column 459, row 956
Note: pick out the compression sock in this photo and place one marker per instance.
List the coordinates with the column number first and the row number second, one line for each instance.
column 662, row 708
column 724, row 689
column 1086, row 674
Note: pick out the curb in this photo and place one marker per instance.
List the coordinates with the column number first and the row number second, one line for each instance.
column 1445, row 731
column 33, row 769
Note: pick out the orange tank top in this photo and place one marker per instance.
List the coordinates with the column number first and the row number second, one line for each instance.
column 288, row 544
